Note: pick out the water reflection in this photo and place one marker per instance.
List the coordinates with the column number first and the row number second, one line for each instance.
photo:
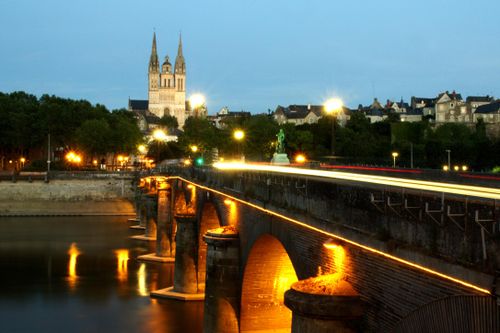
column 79, row 275
column 122, row 265
column 141, row 280
column 73, row 254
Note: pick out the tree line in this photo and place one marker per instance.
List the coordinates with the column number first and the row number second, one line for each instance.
column 27, row 121
column 357, row 142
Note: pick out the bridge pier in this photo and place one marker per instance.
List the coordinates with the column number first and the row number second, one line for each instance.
column 165, row 245
column 324, row 313
column 149, row 215
column 139, row 203
column 222, row 292
column 186, row 287
column 137, row 196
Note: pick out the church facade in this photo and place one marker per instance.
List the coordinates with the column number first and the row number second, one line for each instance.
column 166, row 87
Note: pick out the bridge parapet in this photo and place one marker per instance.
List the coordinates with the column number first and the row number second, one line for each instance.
column 458, row 229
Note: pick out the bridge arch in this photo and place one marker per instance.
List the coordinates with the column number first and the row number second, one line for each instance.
column 268, row 273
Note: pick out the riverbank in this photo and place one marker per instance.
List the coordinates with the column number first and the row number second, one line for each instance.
column 69, row 194
column 116, row 207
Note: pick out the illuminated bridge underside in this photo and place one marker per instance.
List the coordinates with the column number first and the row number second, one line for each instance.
column 268, row 274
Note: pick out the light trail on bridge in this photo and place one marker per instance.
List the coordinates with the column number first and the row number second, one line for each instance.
column 466, row 190
column 339, row 238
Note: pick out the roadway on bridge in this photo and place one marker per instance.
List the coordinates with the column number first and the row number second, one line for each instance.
column 457, row 189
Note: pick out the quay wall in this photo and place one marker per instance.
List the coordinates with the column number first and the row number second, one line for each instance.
column 67, row 196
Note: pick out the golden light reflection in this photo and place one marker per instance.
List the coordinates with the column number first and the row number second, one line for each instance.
column 73, row 254
column 345, row 240
column 282, row 283
column 141, row 280
column 339, row 258
column 122, row 265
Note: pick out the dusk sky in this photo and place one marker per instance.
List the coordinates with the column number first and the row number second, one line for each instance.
column 253, row 55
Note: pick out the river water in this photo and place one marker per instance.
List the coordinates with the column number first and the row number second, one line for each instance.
column 79, row 274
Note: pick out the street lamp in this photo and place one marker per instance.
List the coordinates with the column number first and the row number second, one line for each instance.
column 197, row 101
column 394, row 155
column 22, row 160
column 160, row 136
column 239, row 135
column 332, row 107
column 449, row 160
column 300, row 158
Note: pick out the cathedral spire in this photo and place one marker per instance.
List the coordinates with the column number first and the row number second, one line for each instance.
column 180, row 65
column 153, row 59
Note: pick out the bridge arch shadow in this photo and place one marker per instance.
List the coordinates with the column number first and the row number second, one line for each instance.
column 268, row 273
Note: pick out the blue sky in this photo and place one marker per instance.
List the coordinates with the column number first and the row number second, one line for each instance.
column 253, row 55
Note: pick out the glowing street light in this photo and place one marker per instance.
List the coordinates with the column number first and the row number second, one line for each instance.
column 239, row 135
column 197, row 100
column 142, row 149
column 332, row 107
column 194, row 148
column 445, row 168
column 465, row 168
column 73, row 157
column 22, row 160
column 394, row 155
column 160, row 136
column 300, row 158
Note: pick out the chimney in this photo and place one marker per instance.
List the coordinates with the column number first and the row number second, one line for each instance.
column 308, row 107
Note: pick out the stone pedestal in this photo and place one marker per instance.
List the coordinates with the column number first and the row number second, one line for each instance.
column 222, row 290
column 317, row 313
column 185, row 271
column 280, row 159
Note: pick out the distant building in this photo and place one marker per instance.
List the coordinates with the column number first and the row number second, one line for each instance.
column 166, row 88
column 306, row 114
column 374, row 112
column 224, row 117
column 426, row 105
column 490, row 113
column 473, row 102
column 148, row 121
column 450, row 108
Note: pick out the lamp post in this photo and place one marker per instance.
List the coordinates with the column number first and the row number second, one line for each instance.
column 449, row 159
column 159, row 135
column 332, row 107
column 394, row 155
column 239, row 135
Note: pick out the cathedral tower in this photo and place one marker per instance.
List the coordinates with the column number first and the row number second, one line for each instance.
column 167, row 89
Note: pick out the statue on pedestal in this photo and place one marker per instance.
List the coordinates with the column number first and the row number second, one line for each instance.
column 280, row 156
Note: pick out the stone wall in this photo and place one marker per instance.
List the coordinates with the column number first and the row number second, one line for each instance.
column 67, row 190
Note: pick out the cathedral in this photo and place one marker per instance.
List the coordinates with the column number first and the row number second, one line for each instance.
column 166, row 88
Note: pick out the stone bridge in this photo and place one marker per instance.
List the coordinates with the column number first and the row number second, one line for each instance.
column 360, row 257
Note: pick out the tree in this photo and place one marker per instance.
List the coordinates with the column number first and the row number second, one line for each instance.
column 93, row 137
column 261, row 133
column 199, row 132
column 169, row 121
